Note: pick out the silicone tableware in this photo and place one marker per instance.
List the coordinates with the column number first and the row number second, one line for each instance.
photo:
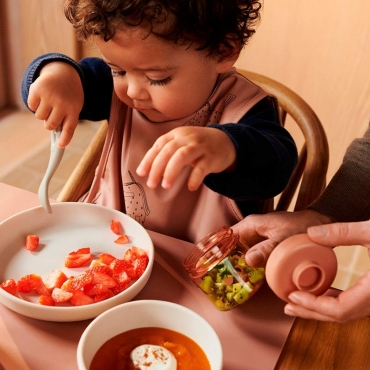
column 56, row 155
column 298, row 263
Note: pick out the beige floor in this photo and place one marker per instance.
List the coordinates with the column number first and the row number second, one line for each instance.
column 24, row 154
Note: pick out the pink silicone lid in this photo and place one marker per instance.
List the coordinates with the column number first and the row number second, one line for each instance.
column 298, row 263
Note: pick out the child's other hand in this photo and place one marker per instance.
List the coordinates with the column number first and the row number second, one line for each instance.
column 57, row 98
column 207, row 150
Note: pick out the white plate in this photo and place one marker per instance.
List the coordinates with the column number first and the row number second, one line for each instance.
column 69, row 227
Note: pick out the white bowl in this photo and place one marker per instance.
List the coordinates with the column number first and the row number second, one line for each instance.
column 149, row 313
column 69, row 227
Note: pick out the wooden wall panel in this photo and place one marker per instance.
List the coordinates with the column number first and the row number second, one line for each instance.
column 321, row 50
column 35, row 27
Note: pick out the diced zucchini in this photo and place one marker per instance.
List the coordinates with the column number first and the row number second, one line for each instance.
column 207, row 285
column 241, row 296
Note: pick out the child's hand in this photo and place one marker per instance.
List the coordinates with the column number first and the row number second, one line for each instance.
column 57, row 98
column 207, row 150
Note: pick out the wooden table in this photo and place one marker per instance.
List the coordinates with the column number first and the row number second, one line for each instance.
column 257, row 335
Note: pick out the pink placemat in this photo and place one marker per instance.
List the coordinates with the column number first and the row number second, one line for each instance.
column 252, row 336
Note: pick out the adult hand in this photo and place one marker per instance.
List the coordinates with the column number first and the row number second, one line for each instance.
column 57, row 98
column 350, row 304
column 262, row 233
column 207, row 150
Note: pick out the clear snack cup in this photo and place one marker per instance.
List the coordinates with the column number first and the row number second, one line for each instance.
column 217, row 266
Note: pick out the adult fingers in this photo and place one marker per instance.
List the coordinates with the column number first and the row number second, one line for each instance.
column 351, row 233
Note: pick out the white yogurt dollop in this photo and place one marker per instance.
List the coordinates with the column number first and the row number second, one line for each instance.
column 151, row 357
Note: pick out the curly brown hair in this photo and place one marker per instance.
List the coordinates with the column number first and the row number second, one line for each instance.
column 212, row 25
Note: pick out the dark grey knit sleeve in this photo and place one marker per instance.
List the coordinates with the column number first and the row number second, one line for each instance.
column 347, row 196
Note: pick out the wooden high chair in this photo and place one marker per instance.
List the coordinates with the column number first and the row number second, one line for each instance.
column 306, row 183
column 309, row 177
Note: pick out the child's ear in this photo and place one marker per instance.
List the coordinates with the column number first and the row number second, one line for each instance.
column 228, row 57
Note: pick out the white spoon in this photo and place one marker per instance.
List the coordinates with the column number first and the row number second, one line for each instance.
column 56, row 155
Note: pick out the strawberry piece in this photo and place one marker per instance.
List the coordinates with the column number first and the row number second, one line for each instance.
column 116, row 227
column 118, row 266
column 9, row 286
column 78, row 282
column 140, row 266
column 38, row 284
column 75, row 259
column 95, row 263
column 84, row 250
column 121, row 269
column 32, row 242
column 67, row 284
column 121, row 286
column 55, row 279
column 123, row 239
column 133, row 253
column 101, row 278
column 95, row 289
column 60, row 295
column 24, row 284
column 121, row 277
column 106, row 258
column 101, row 269
column 103, row 296
column 46, row 300
column 79, row 298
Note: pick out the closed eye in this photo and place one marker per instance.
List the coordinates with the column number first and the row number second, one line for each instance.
column 118, row 73
column 163, row 82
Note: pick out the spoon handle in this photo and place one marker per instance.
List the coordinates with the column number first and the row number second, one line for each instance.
column 56, row 155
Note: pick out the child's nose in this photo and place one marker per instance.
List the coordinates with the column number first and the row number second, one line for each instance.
column 135, row 90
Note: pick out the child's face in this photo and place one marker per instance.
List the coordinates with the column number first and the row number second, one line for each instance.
column 162, row 80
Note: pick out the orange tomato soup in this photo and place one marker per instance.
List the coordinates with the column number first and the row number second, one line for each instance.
column 115, row 353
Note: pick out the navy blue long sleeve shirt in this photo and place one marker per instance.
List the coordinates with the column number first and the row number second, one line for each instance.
column 266, row 153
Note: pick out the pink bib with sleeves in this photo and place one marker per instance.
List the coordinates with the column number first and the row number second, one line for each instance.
column 176, row 212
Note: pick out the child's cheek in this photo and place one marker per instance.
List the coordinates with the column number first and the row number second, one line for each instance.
column 120, row 89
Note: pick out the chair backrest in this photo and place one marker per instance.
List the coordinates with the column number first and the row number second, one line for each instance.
column 306, row 183
column 82, row 175
column 309, row 178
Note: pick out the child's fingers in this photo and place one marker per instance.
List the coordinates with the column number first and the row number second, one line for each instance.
column 54, row 119
column 196, row 178
column 183, row 157
column 69, row 127
column 160, row 164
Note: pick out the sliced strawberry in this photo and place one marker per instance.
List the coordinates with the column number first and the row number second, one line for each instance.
column 78, row 282
column 95, row 263
column 140, row 266
column 103, row 296
column 106, row 258
column 105, row 269
column 121, row 277
column 32, row 242
column 79, row 298
column 74, row 259
column 38, row 284
column 55, row 279
column 121, row 286
column 67, row 284
column 9, row 286
column 46, row 300
column 116, row 227
column 84, row 250
column 60, row 295
column 24, row 284
column 118, row 266
column 133, row 253
column 102, row 278
column 123, row 239
column 94, row 289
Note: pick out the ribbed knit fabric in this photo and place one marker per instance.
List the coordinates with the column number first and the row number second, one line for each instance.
column 347, row 196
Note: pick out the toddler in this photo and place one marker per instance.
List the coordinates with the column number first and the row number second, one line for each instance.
column 191, row 143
